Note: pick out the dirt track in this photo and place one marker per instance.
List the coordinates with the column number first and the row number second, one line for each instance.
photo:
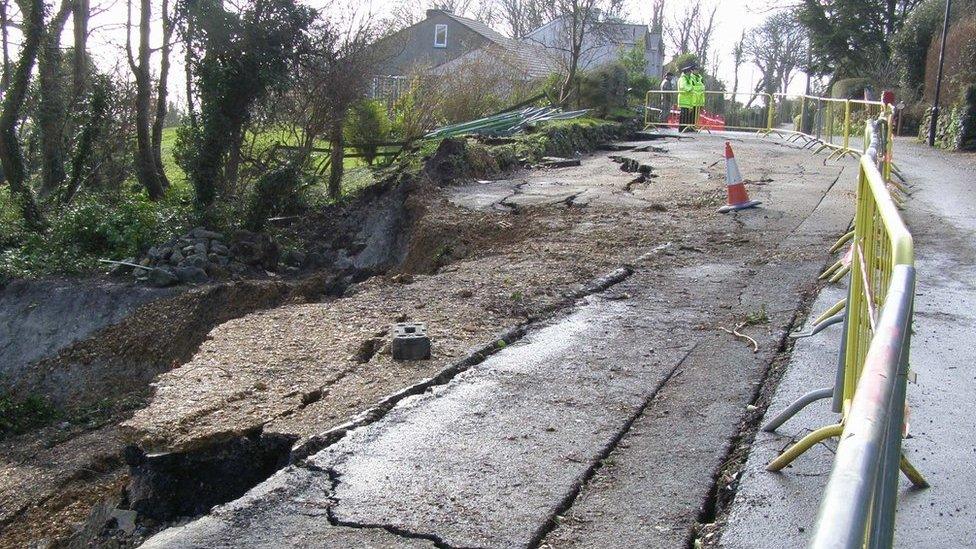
column 485, row 257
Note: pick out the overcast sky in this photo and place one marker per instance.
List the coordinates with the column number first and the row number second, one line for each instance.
column 108, row 36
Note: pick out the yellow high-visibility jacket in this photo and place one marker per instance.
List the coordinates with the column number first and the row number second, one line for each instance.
column 698, row 87
column 686, row 90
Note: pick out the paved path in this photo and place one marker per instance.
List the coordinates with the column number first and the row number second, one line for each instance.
column 603, row 427
column 778, row 510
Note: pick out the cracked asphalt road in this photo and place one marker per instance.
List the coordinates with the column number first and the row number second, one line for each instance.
column 604, row 426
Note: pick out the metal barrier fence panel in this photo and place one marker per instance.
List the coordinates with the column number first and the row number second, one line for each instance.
column 881, row 240
column 858, row 507
column 722, row 111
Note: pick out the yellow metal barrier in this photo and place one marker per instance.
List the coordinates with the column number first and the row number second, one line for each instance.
column 880, row 241
column 722, row 111
column 824, row 122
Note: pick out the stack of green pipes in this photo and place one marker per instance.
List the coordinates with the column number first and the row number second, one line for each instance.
column 506, row 123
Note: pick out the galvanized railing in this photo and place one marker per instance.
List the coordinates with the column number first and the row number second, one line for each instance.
column 858, row 506
column 824, row 122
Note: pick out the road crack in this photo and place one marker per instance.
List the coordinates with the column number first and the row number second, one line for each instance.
column 330, row 512
column 567, row 503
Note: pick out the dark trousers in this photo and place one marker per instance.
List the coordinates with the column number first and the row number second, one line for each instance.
column 665, row 111
column 687, row 118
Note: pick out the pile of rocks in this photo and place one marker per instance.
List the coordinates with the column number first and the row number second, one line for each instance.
column 201, row 256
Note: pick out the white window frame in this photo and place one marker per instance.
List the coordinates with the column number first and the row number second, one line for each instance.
column 437, row 29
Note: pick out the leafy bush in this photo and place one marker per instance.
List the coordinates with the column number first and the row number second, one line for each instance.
column 967, row 130
column 277, row 192
column 604, row 89
column 850, row 88
column 415, row 110
column 960, row 62
column 19, row 415
column 96, row 226
column 911, row 43
column 367, row 123
column 634, row 61
column 680, row 61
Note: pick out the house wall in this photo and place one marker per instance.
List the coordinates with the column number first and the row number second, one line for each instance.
column 414, row 45
column 604, row 47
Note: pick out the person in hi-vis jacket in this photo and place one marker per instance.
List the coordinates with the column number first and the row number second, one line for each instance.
column 687, row 100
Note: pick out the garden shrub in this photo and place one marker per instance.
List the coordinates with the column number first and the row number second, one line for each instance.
column 367, row 123
column 604, row 89
column 277, row 192
column 103, row 225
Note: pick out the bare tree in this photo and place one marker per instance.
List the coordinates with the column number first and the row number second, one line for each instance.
column 82, row 12
column 407, row 12
column 51, row 108
column 738, row 55
column 146, row 170
column 701, row 36
column 657, row 16
column 523, row 16
column 335, row 75
column 691, row 30
column 777, row 48
column 578, row 28
column 5, row 36
column 678, row 31
column 160, row 118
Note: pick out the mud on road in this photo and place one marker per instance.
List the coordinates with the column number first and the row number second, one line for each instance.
column 484, row 258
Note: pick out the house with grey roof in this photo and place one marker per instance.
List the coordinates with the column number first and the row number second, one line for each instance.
column 444, row 41
column 602, row 43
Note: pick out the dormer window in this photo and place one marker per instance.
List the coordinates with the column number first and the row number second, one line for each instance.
column 440, row 36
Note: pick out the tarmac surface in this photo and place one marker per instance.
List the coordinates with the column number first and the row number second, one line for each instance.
column 604, row 426
column 778, row 510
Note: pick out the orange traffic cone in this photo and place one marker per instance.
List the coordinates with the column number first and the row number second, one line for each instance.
column 738, row 198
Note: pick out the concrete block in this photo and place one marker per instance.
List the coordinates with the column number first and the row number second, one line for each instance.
column 410, row 341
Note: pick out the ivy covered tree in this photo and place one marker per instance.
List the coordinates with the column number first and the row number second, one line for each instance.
column 237, row 59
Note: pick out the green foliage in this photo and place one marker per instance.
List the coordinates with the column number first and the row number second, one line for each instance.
column 367, row 123
column 967, row 129
column 20, row 415
column 558, row 138
column 850, row 38
column 679, row 61
column 850, row 88
column 757, row 317
column 604, row 89
column 957, row 124
column 634, row 61
column 911, row 43
column 240, row 59
column 105, row 225
column 415, row 111
column 278, row 192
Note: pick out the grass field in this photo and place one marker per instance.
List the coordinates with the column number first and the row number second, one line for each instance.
column 175, row 174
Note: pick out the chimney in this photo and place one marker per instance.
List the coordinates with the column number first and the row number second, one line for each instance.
column 433, row 12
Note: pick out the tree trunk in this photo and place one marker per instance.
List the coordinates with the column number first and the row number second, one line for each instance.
column 80, row 61
column 336, row 145
column 51, row 109
column 232, row 168
column 11, row 157
column 146, row 170
column 5, row 77
column 157, row 127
